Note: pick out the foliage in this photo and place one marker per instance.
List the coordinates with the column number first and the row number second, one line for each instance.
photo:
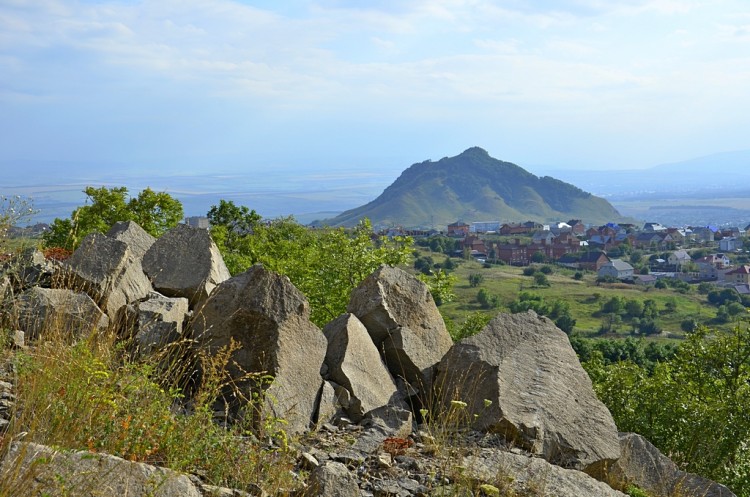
column 87, row 396
column 487, row 300
column 645, row 354
column 441, row 286
column 473, row 324
column 693, row 408
column 540, row 279
column 154, row 212
column 557, row 310
column 324, row 264
column 475, row 279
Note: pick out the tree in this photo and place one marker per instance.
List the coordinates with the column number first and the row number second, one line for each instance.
column 693, row 407
column 324, row 264
column 154, row 212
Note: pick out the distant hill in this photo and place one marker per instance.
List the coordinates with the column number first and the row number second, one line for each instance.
column 476, row 187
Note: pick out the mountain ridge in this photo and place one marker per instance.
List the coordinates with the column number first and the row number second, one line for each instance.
column 474, row 186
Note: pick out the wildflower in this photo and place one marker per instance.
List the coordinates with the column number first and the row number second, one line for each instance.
column 487, row 403
column 458, row 403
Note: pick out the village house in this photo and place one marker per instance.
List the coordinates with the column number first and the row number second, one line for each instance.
column 618, row 269
column 515, row 229
column 458, row 229
column 739, row 276
column 485, row 227
column 679, row 258
column 513, row 254
column 730, row 244
column 577, row 227
column 591, row 261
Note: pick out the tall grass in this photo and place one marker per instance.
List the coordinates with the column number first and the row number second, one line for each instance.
column 91, row 395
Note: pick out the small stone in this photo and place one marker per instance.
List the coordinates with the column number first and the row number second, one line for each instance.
column 309, row 461
column 384, row 460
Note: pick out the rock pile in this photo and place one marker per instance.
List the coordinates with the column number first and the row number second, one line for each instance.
column 383, row 401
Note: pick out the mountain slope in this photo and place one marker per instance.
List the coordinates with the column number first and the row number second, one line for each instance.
column 475, row 187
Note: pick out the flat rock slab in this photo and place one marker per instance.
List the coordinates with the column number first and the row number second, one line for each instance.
column 520, row 377
column 131, row 233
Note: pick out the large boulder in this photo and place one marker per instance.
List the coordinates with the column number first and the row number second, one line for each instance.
column 353, row 362
column 31, row 469
column 108, row 271
column 644, row 466
column 399, row 313
column 268, row 319
column 185, row 262
column 131, row 233
column 155, row 322
column 520, row 377
column 42, row 311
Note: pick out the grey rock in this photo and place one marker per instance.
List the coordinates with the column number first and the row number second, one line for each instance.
column 541, row 398
column 329, row 406
column 108, row 271
column 523, row 475
column 269, row 320
column 404, row 322
column 332, row 479
column 31, row 268
column 381, row 423
column 131, row 233
column 31, row 469
column 353, row 362
column 644, row 466
column 154, row 323
column 40, row 311
column 185, row 262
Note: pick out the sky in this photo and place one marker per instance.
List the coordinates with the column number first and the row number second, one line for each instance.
column 192, row 86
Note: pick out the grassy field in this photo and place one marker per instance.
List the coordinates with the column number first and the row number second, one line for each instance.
column 583, row 296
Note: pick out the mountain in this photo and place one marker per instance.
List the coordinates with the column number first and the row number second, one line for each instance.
column 476, row 187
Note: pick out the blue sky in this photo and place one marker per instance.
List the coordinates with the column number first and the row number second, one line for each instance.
column 200, row 85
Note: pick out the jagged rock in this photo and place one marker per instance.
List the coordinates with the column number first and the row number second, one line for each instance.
column 330, row 407
column 643, row 465
column 31, row 268
column 43, row 310
column 155, row 322
column 269, row 319
column 520, row 377
column 404, row 322
column 185, row 262
column 523, row 475
column 108, row 271
column 31, row 469
column 332, row 479
column 131, row 233
column 353, row 362
column 381, row 423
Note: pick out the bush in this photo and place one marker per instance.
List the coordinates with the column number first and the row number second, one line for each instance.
column 475, row 279
column 486, row 300
column 529, row 271
column 546, row 269
column 578, row 276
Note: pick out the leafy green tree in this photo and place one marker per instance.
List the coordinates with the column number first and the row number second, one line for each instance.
column 473, row 324
column 693, row 407
column 324, row 264
column 155, row 212
column 634, row 308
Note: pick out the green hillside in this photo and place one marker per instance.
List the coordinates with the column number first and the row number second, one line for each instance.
column 476, row 187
